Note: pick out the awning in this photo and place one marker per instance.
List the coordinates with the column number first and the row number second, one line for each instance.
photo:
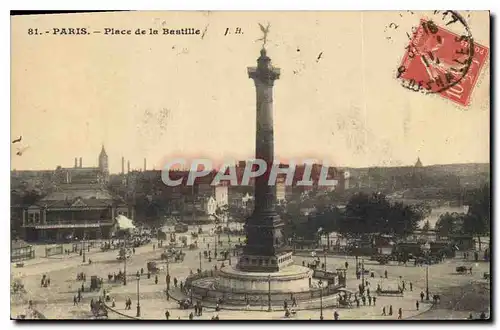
column 124, row 223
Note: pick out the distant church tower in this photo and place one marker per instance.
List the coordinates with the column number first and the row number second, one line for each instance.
column 418, row 163
column 103, row 164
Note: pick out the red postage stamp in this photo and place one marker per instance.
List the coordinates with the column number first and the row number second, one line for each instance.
column 442, row 62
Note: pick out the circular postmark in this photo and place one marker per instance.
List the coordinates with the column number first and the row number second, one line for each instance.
column 437, row 57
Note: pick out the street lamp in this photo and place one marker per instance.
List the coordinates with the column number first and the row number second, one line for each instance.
column 138, row 305
column 269, row 309
column 83, row 247
column 363, row 272
column 200, row 261
column 325, row 261
column 427, row 282
column 124, row 260
column 320, row 283
column 168, row 272
column 216, row 243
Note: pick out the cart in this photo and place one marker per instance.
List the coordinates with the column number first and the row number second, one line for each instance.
column 153, row 267
column 95, row 283
column 185, row 304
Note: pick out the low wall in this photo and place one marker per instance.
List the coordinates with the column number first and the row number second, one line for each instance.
column 241, row 297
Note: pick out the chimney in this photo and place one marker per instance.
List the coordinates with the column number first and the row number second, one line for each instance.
column 80, row 162
column 128, row 166
column 144, row 164
column 123, row 165
column 76, row 162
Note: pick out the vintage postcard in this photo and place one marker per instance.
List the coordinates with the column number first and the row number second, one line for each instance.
column 250, row 165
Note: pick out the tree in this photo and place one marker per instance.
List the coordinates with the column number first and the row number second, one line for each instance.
column 370, row 214
column 478, row 219
column 449, row 224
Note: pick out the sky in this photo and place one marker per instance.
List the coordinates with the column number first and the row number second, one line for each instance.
column 161, row 97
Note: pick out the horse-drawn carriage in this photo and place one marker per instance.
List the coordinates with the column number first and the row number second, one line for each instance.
column 17, row 286
column 153, row 267
column 223, row 256
column 124, row 254
column 344, row 299
column 95, row 283
column 173, row 255
column 185, row 304
column 461, row 269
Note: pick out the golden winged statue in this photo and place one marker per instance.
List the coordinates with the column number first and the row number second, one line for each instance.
column 265, row 31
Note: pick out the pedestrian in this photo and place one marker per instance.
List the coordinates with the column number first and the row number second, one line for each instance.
column 363, row 298
column 368, row 291
column 191, row 316
column 113, row 303
column 390, row 310
column 369, row 301
column 336, row 315
column 404, row 286
column 400, row 313
column 167, row 314
column 285, row 304
column 133, row 250
column 422, row 296
column 383, row 311
column 156, row 279
column 175, row 281
column 385, row 273
column 411, row 286
column 357, row 302
column 346, row 267
column 417, row 305
column 374, row 300
column 75, row 301
column 142, row 271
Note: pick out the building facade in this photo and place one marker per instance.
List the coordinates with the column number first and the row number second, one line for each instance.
column 79, row 207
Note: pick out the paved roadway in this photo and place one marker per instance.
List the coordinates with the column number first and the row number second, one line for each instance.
column 56, row 301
